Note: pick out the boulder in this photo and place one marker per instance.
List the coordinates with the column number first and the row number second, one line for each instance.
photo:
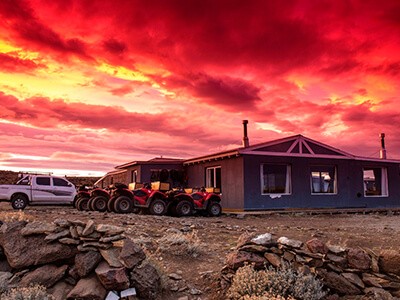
column 56, row 236
column 354, row 279
column 62, row 223
column 89, row 228
column 336, row 249
column 290, row 243
column 358, row 259
column 5, row 266
column 254, row 248
column 238, row 259
column 60, row 290
column 89, row 288
column 112, row 278
column 273, row 259
column 4, row 278
column 109, row 229
column 389, row 261
column 85, row 262
column 377, row 293
column 131, row 254
column 317, row 246
column 338, row 283
column 262, row 239
column 25, row 251
column 112, row 257
column 245, row 239
column 46, row 275
column 338, row 260
column 147, row 281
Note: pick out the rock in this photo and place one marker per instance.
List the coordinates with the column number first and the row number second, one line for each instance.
column 60, row 290
column 245, row 239
column 175, row 276
column 128, row 292
column 68, row 241
column 290, row 243
column 5, row 266
column 37, row 227
column 374, row 260
column 112, row 238
column 338, row 283
column 389, row 261
column 237, row 259
column 371, row 280
column 62, row 223
column 55, row 236
column 85, row 248
column 317, row 246
column 112, row 257
column 79, row 230
column 86, row 262
column 89, row 288
column 359, row 259
column 131, row 254
column 336, row 249
column 254, row 248
column 78, row 223
column 338, row 260
column 288, row 256
column 109, row 229
column 194, row 291
column 273, row 259
column 89, row 228
column 73, row 232
column 47, row 276
column 112, row 296
column 354, row 279
column 112, row 278
column 262, row 239
column 21, row 253
column 377, row 293
column 4, row 279
column 96, row 245
column 147, row 281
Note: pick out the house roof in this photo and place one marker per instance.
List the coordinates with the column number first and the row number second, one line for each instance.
column 294, row 146
column 155, row 160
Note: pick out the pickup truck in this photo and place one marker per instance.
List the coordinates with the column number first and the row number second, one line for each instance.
column 38, row 189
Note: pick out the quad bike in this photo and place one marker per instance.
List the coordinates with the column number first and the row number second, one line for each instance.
column 95, row 200
column 121, row 200
column 189, row 201
column 83, row 193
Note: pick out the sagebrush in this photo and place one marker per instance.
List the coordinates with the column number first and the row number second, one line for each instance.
column 273, row 284
column 179, row 243
column 36, row 292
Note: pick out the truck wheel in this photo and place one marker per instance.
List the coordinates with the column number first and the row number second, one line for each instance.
column 214, row 209
column 158, row 207
column 19, row 201
column 82, row 203
column 184, row 208
column 99, row 203
column 123, row 205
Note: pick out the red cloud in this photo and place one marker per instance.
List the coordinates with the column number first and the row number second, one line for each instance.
column 16, row 65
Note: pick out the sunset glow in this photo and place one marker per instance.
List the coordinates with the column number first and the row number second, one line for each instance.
column 88, row 85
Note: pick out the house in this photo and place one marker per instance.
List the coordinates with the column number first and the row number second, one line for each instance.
column 289, row 173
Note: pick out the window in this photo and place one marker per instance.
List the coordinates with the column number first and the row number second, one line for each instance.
column 60, row 182
column 276, row 179
column 213, row 177
column 375, row 182
column 323, row 180
column 43, row 180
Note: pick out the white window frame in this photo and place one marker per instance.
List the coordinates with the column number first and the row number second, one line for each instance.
column 214, row 170
column 335, row 189
column 384, row 183
column 288, row 182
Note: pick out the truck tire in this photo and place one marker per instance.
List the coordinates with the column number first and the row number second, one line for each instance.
column 158, row 207
column 19, row 201
column 99, row 203
column 123, row 205
column 214, row 209
column 184, row 208
column 82, row 204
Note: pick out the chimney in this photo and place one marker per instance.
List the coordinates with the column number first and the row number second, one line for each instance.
column 245, row 137
column 382, row 152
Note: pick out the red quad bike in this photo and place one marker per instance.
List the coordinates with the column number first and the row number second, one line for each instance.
column 97, row 200
column 83, row 192
column 121, row 200
column 151, row 200
column 185, row 204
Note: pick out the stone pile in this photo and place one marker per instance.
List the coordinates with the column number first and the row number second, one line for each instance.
column 345, row 271
column 76, row 260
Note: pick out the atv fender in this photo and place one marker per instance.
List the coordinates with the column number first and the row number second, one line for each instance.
column 100, row 192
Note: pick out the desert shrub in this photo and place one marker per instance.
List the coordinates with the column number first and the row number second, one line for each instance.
column 179, row 243
column 36, row 292
column 13, row 216
column 282, row 283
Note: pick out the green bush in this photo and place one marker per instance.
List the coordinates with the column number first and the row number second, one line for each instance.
column 274, row 284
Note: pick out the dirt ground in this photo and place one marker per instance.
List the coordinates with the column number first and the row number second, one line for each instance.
column 218, row 236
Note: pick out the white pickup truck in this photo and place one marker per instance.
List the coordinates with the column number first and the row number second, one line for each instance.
column 38, row 189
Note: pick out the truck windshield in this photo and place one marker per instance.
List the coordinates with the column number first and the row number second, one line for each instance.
column 24, row 181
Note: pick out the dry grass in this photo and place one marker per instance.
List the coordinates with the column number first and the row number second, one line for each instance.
column 181, row 244
column 13, row 216
column 36, row 292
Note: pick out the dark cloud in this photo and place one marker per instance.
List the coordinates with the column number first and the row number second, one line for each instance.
column 114, row 46
column 16, row 65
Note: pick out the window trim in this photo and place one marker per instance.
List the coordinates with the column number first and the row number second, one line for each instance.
column 335, row 187
column 288, row 176
column 385, row 180
column 214, row 168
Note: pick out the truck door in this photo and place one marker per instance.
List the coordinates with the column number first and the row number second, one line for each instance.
column 41, row 189
column 64, row 190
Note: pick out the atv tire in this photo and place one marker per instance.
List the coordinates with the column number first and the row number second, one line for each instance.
column 123, row 205
column 110, row 204
column 214, row 209
column 82, row 204
column 90, row 203
column 99, row 203
column 158, row 207
column 19, row 201
column 184, row 208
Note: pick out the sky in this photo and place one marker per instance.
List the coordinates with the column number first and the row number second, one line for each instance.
column 89, row 85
